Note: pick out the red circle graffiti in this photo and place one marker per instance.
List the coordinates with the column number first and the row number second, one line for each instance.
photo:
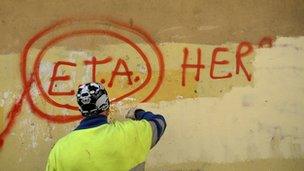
column 69, row 118
column 27, row 82
column 86, row 32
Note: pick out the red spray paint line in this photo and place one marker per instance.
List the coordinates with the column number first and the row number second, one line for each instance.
column 14, row 111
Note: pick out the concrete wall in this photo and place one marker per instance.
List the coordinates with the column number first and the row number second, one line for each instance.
column 228, row 76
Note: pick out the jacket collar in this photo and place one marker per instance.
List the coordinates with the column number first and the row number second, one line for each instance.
column 92, row 122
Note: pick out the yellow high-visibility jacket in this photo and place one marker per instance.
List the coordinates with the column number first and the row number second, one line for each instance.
column 118, row 146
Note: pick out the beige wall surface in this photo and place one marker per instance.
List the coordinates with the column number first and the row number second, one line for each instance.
column 227, row 75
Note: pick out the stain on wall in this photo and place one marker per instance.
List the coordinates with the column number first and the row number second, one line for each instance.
column 230, row 87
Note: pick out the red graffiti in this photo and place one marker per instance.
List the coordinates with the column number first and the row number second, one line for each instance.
column 240, row 54
column 244, row 49
column 197, row 66
column 14, row 111
column 87, row 32
column 121, row 69
column 60, row 78
column 35, row 76
column 214, row 61
column 266, row 42
column 116, row 71
column 94, row 62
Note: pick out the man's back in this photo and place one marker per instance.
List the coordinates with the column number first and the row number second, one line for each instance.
column 96, row 145
column 117, row 146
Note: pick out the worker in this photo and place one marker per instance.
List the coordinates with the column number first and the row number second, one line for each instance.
column 97, row 145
